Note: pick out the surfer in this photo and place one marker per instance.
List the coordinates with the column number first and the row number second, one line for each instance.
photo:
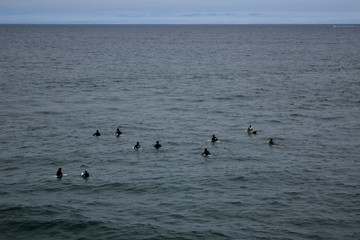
column 137, row 145
column 214, row 139
column 271, row 142
column 85, row 174
column 157, row 145
column 118, row 132
column 250, row 128
column 59, row 173
column 206, row 152
column 97, row 133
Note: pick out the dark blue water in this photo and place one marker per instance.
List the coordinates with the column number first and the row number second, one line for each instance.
column 180, row 84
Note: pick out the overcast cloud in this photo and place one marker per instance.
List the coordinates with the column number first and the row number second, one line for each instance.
column 181, row 11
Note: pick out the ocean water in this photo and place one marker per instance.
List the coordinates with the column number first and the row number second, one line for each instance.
column 180, row 84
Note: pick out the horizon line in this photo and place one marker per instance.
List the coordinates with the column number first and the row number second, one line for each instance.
column 179, row 23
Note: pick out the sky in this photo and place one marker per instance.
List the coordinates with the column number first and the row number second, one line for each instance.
column 179, row 12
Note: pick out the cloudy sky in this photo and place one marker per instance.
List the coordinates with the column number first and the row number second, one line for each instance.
column 181, row 11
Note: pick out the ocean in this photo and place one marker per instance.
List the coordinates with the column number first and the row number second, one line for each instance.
column 180, row 84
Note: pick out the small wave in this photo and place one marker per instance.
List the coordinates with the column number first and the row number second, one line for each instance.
column 61, row 228
column 239, row 178
column 274, row 121
column 53, row 113
column 2, row 193
column 135, row 187
column 222, row 98
column 23, row 211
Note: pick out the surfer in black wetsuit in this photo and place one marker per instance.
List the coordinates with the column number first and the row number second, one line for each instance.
column 137, row 145
column 157, row 145
column 214, row 139
column 271, row 142
column 97, row 133
column 206, row 152
column 118, row 132
column 59, row 173
column 85, row 174
column 250, row 128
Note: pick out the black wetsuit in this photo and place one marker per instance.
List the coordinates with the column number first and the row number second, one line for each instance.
column 158, row 145
column 206, row 153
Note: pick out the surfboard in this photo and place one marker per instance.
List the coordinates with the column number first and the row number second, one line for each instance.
column 253, row 132
column 65, row 174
